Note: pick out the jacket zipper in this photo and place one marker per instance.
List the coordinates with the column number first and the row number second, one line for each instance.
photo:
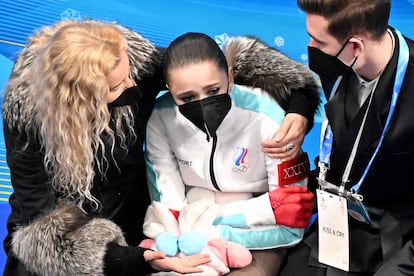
column 212, row 175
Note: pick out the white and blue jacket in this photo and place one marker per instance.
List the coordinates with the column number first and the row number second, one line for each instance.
column 179, row 156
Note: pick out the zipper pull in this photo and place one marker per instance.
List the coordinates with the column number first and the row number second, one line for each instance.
column 207, row 132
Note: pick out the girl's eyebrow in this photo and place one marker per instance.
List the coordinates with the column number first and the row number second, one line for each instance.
column 185, row 93
column 211, row 85
column 190, row 92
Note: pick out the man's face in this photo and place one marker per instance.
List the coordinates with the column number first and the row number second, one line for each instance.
column 317, row 28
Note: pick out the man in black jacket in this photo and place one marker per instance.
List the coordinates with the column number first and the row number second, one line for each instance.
column 367, row 153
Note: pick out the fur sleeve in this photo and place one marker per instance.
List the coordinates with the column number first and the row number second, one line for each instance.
column 257, row 64
column 65, row 242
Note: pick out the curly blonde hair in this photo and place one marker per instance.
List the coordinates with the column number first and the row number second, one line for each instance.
column 71, row 103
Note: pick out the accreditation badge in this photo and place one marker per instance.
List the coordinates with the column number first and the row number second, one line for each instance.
column 333, row 230
column 357, row 210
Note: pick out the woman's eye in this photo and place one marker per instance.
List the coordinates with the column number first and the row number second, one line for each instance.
column 214, row 91
column 187, row 99
column 114, row 89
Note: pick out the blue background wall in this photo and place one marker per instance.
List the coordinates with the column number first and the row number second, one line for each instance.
column 280, row 23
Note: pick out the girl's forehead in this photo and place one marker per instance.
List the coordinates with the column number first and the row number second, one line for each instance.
column 195, row 77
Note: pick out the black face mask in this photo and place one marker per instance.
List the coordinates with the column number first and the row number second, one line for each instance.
column 327, row 66
column 207, row 114
column 130, row 96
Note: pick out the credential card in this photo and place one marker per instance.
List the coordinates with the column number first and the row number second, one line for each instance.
column 333, row 230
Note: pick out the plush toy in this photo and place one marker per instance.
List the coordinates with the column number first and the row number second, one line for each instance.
column 193, row 233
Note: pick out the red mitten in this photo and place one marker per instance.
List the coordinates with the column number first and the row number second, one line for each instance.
column 292, row 206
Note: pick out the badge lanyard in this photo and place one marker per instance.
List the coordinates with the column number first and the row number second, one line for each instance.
column 327, row 135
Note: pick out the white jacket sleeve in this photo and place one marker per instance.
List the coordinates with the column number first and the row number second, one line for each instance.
column 264, row 237
column 251, row 222
column 164, row 179
column 248, row 213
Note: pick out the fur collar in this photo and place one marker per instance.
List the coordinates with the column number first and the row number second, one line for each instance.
column 257, row 64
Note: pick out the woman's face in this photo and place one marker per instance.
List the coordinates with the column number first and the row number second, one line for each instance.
column 197, row 81
column 119, row 79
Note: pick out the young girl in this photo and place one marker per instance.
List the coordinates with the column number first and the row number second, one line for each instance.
column 206, row 133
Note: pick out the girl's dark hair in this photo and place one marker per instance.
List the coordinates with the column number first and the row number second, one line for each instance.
column 193, row 48
column 349, row 17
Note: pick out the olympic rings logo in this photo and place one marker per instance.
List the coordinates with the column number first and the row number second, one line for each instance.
column 242, row 168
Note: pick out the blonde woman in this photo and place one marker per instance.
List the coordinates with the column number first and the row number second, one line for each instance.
column 74, row 153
